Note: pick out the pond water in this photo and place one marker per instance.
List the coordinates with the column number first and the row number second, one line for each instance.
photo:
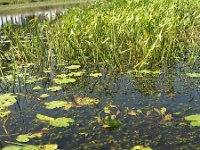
column 23, row 19
column 110, row 110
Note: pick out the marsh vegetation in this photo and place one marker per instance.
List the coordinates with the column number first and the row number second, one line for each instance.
column 117, row 74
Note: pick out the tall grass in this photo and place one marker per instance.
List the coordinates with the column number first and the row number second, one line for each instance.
column 117, row 33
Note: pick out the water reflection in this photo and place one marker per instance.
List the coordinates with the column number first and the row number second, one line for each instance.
column 23, row 19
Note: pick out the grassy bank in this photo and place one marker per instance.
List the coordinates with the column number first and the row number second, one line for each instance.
column 120, row 33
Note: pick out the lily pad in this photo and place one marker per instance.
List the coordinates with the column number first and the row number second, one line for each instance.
column 140, row 147
column 32, row 147
column 49, row 147
column 61, row 75
column 37, row 88
column 23, row 138
column 13, row 147
column 95, row 75
column 56, row 122
column 26, row 137
column 61, row 122
column 87, row 101
column 7, row 100
column 76, row 74
column 44, row 118
column 145, row 71
column 64, row 80
column 4, row 113
column 193, row 75
column 33, row 80
column 54, row 88
column 44, row 95
column 73, row 67
column 111, row 123
column 55, row 104
column 195, row 119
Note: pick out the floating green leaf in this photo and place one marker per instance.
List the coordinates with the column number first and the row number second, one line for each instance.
column 13, row 147
column 76, row 74
column 95, row 75
column 193, row 75
column 154, row 72
column 7, row 100
column 64, row 80
column 87, row 101
column 54, row 88
column 44, row 95
column 37, row 88
column 26, row 137
column 61, row 122
column 23, row 138
column 195, row 119
column 73, row 67
column 49, row 147
column 61, row 75
column 56, row 122
column 55, row 104
column 32, row 147
column 44, row 118
column 4, row 113
column 140, row 147
column 47, row 70
column 33, row 80
column 111, row 123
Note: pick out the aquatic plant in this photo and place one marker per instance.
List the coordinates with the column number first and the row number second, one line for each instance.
column 138, row 33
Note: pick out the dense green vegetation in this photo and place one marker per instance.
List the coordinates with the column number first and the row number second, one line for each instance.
column 142, row 33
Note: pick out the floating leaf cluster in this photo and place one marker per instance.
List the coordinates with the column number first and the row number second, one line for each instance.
column 193, row 75
column 194, row 119
column 6, row 100
column 56, row 122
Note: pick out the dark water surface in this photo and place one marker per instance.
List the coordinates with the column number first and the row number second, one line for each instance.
column 143, row 93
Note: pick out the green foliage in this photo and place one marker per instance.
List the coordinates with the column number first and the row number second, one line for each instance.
column 139, row 34
column 32, row 147
column 55, row 104
column 140, row 147
column 37, row 88
column 6, row 100
column 194, row 119
column 54, row 88
column 193, row 75
column 64, row 80
column 87, row 101
column 56, row 122
column 111, row 124
column 73, row 67
column 95, row 75
column 44, row 95
column 26, row 137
